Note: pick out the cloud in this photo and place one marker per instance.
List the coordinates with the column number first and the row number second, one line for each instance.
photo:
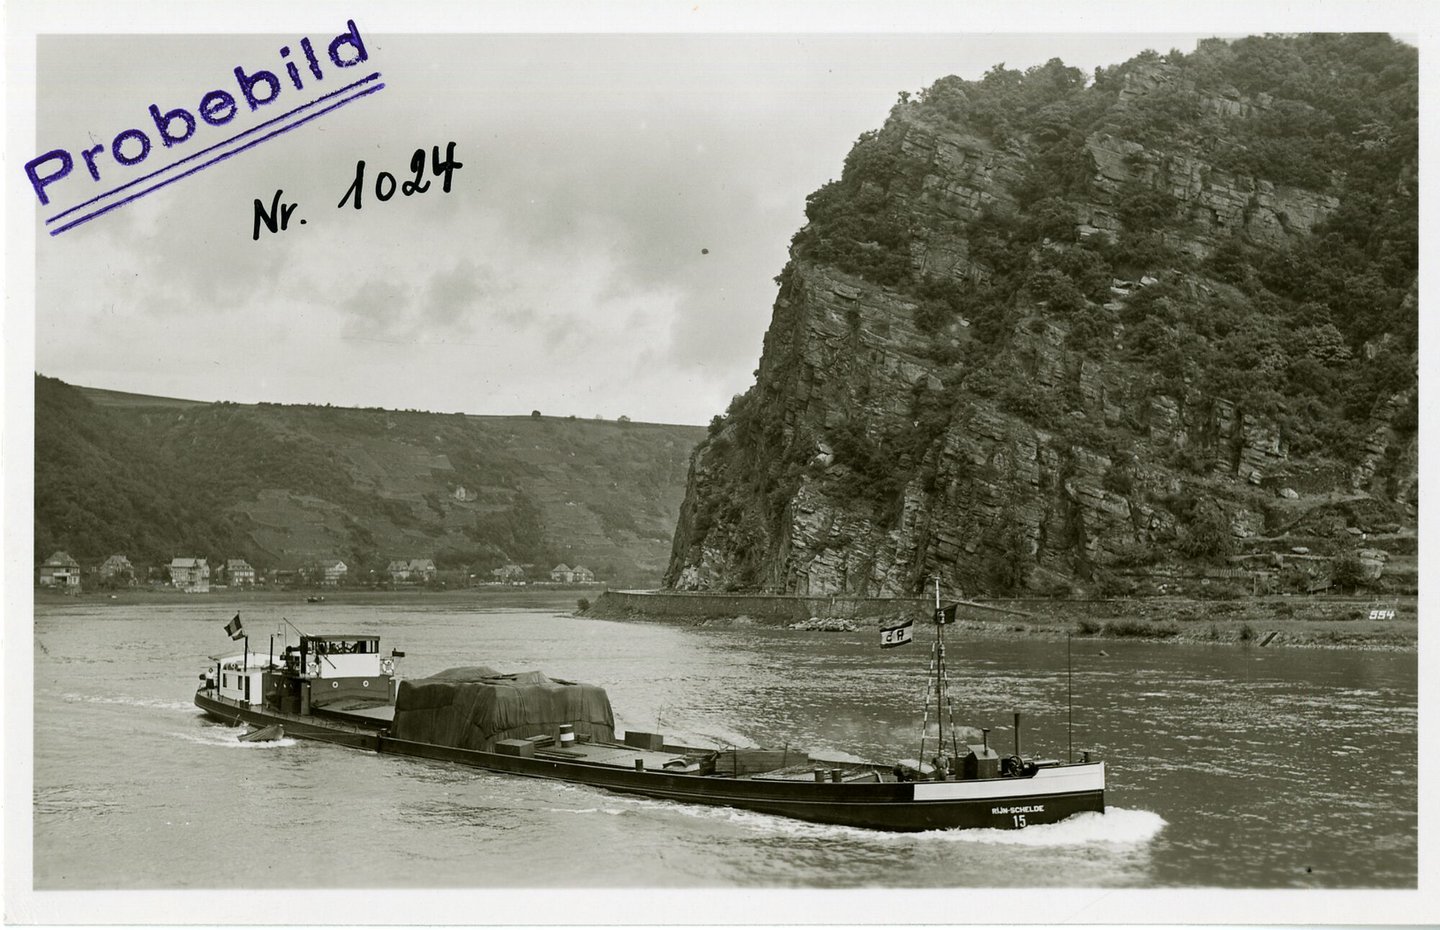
column 455, row 303
column 378, row 310
column 459, row 295
column 565, row 269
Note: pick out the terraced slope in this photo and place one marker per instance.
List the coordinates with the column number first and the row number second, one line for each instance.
column 289, row 486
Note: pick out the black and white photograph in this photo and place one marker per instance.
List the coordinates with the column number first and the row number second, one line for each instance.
column 723, row 465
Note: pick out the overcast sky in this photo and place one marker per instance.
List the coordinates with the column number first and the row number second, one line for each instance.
column 608, row 247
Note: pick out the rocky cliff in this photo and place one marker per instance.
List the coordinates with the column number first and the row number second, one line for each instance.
column 1052, row 333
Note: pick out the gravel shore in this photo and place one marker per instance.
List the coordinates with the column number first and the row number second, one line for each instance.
column 1312, row 622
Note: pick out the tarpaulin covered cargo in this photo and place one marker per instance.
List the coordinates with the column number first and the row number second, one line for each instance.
column 475, row 707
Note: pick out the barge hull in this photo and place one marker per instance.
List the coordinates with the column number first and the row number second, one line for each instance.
column 888, row 806
column 1051, row 795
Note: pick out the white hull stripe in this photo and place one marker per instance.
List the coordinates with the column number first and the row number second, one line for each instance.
column 1046, row 781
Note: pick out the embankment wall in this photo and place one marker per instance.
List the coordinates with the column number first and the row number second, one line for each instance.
column 774, row 607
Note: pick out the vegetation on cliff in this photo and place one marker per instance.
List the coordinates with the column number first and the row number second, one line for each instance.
column 1188, row 278
column 1288, row 339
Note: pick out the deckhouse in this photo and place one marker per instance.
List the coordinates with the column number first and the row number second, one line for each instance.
column 335, row 657
column 242, row 677
column 320, row 671
column 342, row 668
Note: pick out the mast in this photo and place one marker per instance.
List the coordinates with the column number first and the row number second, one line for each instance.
column 939, row 670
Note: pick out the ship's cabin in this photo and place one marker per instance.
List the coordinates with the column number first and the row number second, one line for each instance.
column 335, row 656
column 240, row 678
column 321, row 672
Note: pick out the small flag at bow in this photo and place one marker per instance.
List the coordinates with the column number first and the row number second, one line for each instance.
column 946, row 614
column 234, row 628
column 897, row 635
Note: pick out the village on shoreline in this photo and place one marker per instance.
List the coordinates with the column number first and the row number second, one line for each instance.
column 62, row 572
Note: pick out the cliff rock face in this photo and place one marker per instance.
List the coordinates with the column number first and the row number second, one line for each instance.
column 1218, row 203
column 1034, row 352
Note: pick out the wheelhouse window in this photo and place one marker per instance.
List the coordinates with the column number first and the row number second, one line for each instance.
column 335, row 647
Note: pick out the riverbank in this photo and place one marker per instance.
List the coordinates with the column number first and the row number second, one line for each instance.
column 229, row 600
column 1308, row 622
column 1313, row 622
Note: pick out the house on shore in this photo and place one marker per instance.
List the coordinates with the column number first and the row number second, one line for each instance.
column 60, row 571
column 116, row 570
column 239, row 573
column 412, row 571
column 333, row 572
column 508, row 574
column 190, row 575
column 564, row 574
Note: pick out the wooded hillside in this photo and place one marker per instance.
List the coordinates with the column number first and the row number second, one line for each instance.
column 284, row 486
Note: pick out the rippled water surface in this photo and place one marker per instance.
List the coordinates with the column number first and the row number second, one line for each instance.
column 1227, row 766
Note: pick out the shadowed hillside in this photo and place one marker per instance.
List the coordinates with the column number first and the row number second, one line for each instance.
column 286, row 486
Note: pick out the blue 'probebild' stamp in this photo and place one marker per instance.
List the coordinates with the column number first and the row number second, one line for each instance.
column 129, row 149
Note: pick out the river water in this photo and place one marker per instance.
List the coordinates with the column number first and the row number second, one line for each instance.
column 1232, row 767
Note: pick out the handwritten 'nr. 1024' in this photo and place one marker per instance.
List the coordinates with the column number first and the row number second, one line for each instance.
column 277, row 216
column 385, row 182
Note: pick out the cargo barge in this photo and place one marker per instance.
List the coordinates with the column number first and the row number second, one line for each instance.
column 339, row 688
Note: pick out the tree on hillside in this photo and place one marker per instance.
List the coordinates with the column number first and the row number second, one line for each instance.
column 1208, row 535
column 1348, row 571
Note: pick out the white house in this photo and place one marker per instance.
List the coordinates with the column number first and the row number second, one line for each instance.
column 333, row 573
column 60, row 571
column 190, row 575
column 239, row 573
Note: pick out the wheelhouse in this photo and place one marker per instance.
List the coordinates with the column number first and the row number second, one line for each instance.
column 335, row 656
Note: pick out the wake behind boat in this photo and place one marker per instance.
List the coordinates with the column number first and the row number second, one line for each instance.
column 339, row 688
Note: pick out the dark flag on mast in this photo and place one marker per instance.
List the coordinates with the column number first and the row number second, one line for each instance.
column 946, row 614
column 234, row 628
column 897, row 635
